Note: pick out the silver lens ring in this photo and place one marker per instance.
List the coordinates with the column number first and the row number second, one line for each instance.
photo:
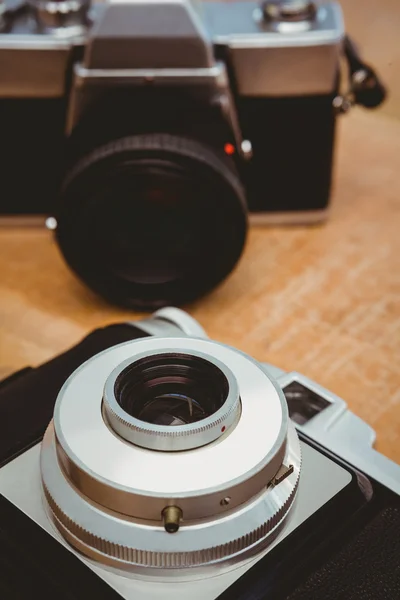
column 108, row 496
column 140, row 482
column 158, row 366
column 140, row 546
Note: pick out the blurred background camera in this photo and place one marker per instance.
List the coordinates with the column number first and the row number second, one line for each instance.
column 148, row 130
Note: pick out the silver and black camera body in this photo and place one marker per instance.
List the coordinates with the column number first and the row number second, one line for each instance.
column 264, row 76
column 137, row 123
column 177, row 467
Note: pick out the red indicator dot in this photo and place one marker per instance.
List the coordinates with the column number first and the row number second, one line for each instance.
column 229, row 149
column 223, row 429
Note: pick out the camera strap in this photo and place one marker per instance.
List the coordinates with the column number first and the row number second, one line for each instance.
column 365, row 87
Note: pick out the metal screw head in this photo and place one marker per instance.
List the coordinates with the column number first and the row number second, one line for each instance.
column 342, row 104
column 225, row 501
column 246, row 149
column 50, row 222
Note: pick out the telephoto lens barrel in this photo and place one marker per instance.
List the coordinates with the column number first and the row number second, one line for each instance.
column 170, row 455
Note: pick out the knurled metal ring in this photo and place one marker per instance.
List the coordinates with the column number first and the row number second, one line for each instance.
column 130, row 544
column 139, row 482
column 164, row 437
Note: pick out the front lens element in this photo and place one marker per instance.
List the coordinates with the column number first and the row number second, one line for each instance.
column 171, row 389
column 171, row 401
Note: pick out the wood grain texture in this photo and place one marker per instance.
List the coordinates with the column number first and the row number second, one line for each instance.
column 324, row 301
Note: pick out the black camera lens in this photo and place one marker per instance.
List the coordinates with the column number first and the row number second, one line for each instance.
column 152, row 220
column 171, row 389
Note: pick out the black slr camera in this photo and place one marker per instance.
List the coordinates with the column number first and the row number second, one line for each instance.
column 152, row 463
column 147, row 128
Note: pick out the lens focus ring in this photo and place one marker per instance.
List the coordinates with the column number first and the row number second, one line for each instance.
column 123, row 545
column 139, row 406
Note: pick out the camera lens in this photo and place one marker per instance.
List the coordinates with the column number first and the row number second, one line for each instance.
column 152, row 220
column 171, row 389
column 171, row 401
column 165, row 435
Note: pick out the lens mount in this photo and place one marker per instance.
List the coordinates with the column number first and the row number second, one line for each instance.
column 171, row 401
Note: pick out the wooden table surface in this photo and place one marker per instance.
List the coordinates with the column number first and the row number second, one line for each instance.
column 324, row 301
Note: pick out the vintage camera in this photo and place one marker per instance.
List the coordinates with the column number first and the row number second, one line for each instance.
column 171, row 469
column 146, row 128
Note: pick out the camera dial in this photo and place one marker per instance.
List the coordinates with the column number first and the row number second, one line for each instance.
column 289, row 10
column 167, row 453
column 61, row 15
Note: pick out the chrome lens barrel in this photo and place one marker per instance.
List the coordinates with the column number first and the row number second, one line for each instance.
column 171, row 401
column 201, row 446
